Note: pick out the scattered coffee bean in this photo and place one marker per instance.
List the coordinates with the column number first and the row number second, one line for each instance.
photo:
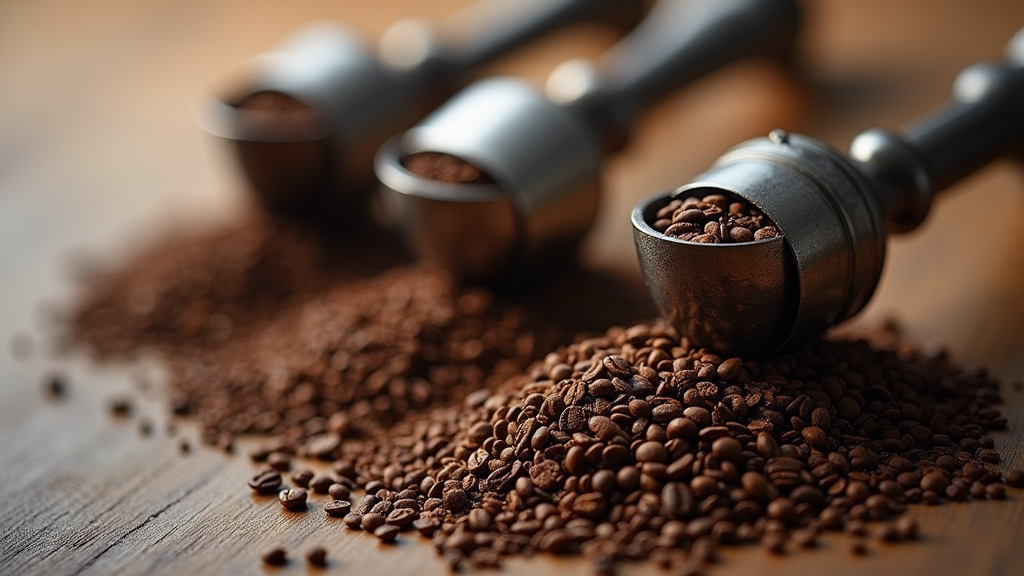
column 1014, row 478
column 996, row 491
column 906, row 526
column 279, row 461
column 338, row 508
column 371, row 521
column 317, row 556
column 275, row 557
column 302, row 478
column 293, row 499
column 339, row 491
column 387, row 533
column 353, row 520
column 266, row 482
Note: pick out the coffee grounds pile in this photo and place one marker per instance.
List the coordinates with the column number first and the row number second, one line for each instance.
column 358, row 357
column 204, row 290
column 633, row 445
column 714, row 219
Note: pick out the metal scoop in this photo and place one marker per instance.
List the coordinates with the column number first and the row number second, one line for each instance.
column 544, row 152
column 330, row 100
column 835, row 213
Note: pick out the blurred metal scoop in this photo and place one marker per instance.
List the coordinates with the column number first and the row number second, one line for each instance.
column 308, row 117
column 835, row 213
column 544, row 152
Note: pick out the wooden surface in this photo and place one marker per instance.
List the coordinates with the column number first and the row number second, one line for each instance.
column 99, row 154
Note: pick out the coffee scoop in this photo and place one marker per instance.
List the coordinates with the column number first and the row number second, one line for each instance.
column 834, row 213
column 308, row 116
column 544, row 151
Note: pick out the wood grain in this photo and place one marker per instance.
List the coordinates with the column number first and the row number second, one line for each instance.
column 99, row 154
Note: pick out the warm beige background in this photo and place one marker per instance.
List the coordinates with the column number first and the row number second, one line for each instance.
column 99, row 153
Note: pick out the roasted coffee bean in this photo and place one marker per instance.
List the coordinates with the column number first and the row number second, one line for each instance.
column 736, row 221
column 339, row 491
column 402, row 517
column 1014, row 478
column 371, row 521
column 302, row 478
column 321, row 483
column 386, row 533
column 338, row 508
column 279, row 461
column 294, row 499
column 906, row 526
column 935, row 482
column 266, row 482
column 275, row 557
column 317, row 556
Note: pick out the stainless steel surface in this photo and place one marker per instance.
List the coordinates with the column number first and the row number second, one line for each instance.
column 360, row 96
column 544, row 151
column 835, row 213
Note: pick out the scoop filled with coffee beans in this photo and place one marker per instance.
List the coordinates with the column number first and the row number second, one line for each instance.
column 308, row 117
column 784, row 236
column 504, row 177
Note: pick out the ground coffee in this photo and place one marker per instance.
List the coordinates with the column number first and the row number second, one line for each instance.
column 203, row 290
column 714, row 219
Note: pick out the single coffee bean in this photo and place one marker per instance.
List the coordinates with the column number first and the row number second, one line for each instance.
column 339, row 491
column 906, row 527
column 338, row 508
column 301, row 478
column 266, row 482
column 371, row 521
column 317, row 556
column 321, row 483
column 402, row 517
column 387, row 533
column 1014, row 478
column 293, row 499
column 275, row 557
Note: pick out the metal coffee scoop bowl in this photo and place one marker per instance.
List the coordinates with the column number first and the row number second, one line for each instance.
column 544, row 152
column 343, row 99
column 834, row 212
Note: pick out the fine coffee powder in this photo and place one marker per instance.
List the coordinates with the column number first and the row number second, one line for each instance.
column 359, row 357
column 714, row 219
column 274, row 327
column 204, row 290
column 634, row 445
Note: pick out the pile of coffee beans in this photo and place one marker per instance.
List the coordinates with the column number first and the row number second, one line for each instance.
column 634, row 445
column 714, row 219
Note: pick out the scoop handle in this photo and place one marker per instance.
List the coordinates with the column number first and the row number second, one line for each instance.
column 677, row 42
column 490, row 29
column 983, row 119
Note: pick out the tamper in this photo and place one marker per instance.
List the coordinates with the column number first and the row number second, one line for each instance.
column 544, row 151
column 308, row 116
column 834, row 214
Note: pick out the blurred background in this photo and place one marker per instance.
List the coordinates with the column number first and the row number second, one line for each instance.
column 100, row 152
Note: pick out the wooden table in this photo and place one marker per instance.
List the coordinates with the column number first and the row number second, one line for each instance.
column 99, row 153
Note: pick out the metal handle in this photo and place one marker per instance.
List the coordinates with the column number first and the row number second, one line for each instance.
column 982, row 121
column 487, row 30
column 677, row 42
